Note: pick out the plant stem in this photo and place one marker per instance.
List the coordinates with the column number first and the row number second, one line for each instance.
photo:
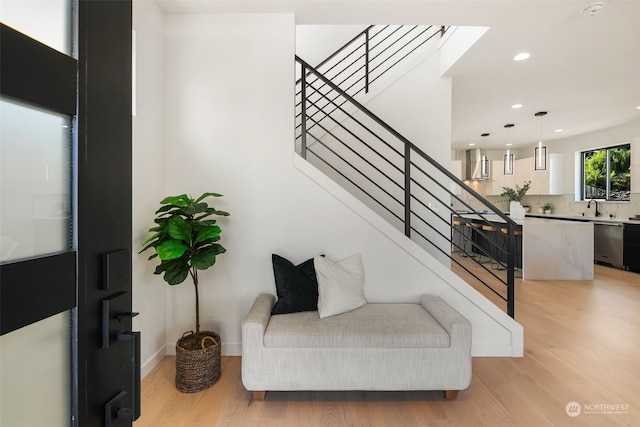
column 194, row 275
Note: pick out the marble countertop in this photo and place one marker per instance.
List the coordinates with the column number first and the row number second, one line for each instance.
column 528, row 219
column 604, row 219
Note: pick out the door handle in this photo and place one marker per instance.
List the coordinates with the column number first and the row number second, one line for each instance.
column 107, row 317
column 114, row 409
column 132, row 414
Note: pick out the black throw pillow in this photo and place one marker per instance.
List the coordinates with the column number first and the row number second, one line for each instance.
column 296, row 286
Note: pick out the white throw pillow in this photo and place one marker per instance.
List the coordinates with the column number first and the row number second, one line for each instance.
column 340, row 285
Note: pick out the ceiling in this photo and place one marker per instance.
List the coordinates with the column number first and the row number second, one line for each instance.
column 584, row 71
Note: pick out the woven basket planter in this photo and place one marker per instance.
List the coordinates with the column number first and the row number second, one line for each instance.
column 197, row 370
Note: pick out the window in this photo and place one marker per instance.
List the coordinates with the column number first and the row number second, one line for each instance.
column 606, row 173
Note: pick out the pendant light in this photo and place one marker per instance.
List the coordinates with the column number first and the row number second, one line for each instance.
column 509, row 163
column 540, row 152
column 485, row 170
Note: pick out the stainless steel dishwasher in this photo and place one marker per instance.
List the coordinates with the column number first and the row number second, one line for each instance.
column 607, row 240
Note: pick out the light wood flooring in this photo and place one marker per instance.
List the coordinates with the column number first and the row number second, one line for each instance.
column 582, row 344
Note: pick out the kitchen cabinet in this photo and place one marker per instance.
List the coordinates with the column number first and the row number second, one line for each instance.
column 631, row 249
column 499, row 179
column 456, row 169
column 548, row 181
column 545, row 182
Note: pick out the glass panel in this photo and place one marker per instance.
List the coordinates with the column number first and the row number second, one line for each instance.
column 35, row 181
column 620, row 173
column 47, row 21
column 34, row 365
column 595, row 174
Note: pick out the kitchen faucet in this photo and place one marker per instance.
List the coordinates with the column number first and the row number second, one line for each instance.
column 589, row 205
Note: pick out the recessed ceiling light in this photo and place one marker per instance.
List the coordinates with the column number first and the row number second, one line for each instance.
column 521, row 56
column 516, row 106
column 638, row 107
column 472, row 144
column 559, row 130
column 593, row 9
column 509, row 144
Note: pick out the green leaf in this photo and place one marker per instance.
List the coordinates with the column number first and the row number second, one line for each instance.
column 207, row 233
column 179, row 229
column 175, row 271
column 205, row 195
column 171, row 249
column 165, row 208
column 207, row 257
column 176, row 277
column 180, row 201
column 200, row 207
column 207, row 222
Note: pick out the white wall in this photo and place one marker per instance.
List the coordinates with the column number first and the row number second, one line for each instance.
column 229, row 114
column 623, row 134
column 314, row 43
column 418, row 105
column 149, row 291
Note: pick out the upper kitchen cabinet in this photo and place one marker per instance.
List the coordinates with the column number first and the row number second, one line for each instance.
column 548, row 181
column 543, row 182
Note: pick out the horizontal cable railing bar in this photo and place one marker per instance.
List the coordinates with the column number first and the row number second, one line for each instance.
column 357, row 150
column 396, row 41
column 358, row 155
column 354, row 184
column 398, row 61
column 461, row 265
column 404, row 140
column 355, row 120
column 365, row 77
column 481, row 232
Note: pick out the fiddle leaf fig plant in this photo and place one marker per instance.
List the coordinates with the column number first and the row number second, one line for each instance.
column 516, row 194
column 185, row 239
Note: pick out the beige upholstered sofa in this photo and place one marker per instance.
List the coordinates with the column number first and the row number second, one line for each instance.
column 424, row 346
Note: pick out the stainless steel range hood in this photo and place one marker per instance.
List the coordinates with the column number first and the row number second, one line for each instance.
column 478, row 165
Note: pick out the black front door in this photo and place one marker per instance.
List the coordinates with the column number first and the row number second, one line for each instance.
column 108, row 350
column 89, row 276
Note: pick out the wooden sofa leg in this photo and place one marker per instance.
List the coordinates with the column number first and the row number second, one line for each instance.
column 259, row 395
column 448, row 394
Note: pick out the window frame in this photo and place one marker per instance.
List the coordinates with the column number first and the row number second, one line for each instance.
column 607, row 150
column 38, row 75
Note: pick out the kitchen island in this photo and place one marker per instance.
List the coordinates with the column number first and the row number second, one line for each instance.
column 552, row 249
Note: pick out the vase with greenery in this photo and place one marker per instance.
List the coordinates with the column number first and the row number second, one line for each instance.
column 517, row 194
column 547, row 208
column 185, row 239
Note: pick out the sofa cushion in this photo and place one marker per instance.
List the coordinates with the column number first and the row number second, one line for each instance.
column 370, row 326
column 296, row 286
column 340, row 285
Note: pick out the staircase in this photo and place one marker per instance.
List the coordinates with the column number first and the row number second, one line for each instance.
column 390, row 174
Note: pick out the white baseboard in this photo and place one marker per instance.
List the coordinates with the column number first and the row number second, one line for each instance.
column 494, row 351
column 152, row 362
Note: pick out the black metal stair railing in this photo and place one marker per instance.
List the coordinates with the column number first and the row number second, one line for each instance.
column 406, row 186
column 367, row 57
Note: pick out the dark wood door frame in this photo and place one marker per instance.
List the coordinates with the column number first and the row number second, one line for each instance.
column 104, row 212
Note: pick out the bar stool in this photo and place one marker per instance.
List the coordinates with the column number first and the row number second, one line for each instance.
column 459, row 226
column 493, row 243
column 518, row 236
column 476, row 242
